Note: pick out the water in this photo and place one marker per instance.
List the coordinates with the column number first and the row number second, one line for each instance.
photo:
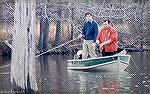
column 54, row 77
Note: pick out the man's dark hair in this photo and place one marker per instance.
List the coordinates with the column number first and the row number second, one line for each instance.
column 88, row 13
column 107, row 20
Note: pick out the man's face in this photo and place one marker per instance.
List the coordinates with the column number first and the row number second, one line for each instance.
column 106, row 25
column 88, row 17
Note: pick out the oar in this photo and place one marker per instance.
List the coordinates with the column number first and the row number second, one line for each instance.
column 57, row 47
column 8, row 44
column 4, row 66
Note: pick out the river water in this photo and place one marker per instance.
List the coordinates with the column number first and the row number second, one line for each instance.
column 53, row 77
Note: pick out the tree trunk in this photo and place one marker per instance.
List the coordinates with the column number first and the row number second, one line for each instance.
column 44, row 32
column 72, row 26
column 40, row 46
column 58, row 28
column 23, row 52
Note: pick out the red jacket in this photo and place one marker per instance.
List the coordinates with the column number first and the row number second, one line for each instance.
column 106, row 35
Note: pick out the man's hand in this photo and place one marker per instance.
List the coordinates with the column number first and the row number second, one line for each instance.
column 80, row 36
column 93, row 44
column 101, row 45
column 97, row 41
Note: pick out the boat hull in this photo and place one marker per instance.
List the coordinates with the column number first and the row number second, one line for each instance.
column 110, row 63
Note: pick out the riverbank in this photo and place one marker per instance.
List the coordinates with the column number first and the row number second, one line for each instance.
column 6, row 51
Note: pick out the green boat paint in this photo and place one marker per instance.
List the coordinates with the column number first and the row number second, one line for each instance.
column 98, row 62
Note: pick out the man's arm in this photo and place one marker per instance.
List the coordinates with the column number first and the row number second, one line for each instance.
column 95, row 31
column 105, row 43
column 98, row 40
column 113, row 37
column 83, row 29
column 82, row 34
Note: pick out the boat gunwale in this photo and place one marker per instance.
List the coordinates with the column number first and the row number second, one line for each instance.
column 89, row 67
column 77, row 60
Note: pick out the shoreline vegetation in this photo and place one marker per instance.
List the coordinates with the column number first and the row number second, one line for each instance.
column 61, row 27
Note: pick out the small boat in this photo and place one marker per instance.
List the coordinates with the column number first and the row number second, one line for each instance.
column 119, row 61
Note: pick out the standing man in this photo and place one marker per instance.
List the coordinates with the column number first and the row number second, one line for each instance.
column 108, row 39
column 89, row 33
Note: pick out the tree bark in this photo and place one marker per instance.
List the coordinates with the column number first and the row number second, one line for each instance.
column 58, row 28
column 23, row 52
column 72, row 26
column 44, row 32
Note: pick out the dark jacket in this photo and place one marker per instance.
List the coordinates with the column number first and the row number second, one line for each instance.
column 90, row 30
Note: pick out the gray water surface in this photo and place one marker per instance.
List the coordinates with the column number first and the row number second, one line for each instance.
column 53, row 77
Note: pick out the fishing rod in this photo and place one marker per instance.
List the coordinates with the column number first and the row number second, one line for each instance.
column 57, row 46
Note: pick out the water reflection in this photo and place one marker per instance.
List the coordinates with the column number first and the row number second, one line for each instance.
column 97, row 82
column 54, row 77
column 140, row 73
column 92, row 80
column 44, row 73
column 52, row 74
column 109, row 87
